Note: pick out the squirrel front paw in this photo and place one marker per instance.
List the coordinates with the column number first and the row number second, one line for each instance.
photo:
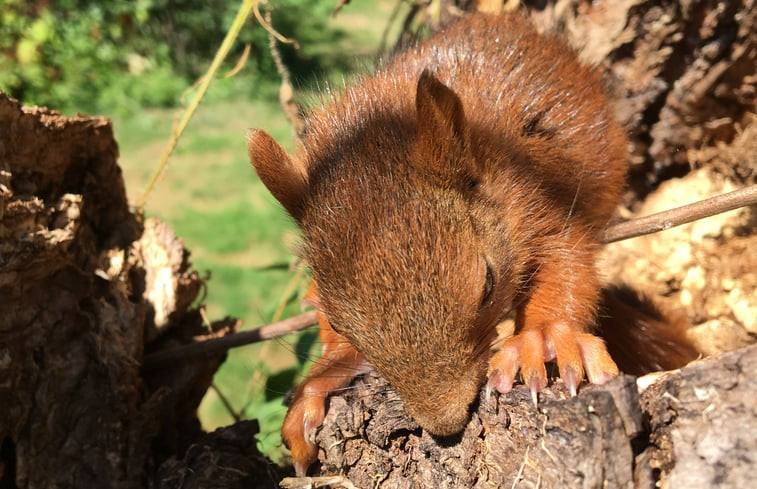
column 338, row 365
column 304, row 417
column 576, row 352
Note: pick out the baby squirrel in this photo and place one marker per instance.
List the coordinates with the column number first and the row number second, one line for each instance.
column 468, row 178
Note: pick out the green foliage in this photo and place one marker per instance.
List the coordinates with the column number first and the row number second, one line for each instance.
column 119, row 56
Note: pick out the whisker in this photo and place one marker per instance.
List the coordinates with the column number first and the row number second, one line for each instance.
column 575, row 197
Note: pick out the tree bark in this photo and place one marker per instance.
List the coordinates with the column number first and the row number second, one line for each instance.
column 85, row 289
column 692, row 428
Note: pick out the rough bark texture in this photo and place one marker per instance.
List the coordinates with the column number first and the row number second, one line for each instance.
column 85, row 289
column 704, row 424
column 695, row 428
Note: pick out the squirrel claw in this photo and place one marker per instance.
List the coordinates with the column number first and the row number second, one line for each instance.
column 534, row 392
column 571, row 380
column 310, row 429
column 503, row 366
column 500, row 382
column 600, row 367
column 574, row 351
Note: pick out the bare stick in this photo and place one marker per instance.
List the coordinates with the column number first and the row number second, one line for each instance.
column 387, row 27
column 203, row 85
column 202, row 346
column 291, row 108
column 681, row 215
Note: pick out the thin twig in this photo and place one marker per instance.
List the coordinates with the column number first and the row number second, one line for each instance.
column 681, row 215
column 290, row 289
column 228, row 41
column 204, row 347
column 260, row 376
column 292, row 110
column 339, row 7
column 415, row 7
column 240, row 63
column 267, row 25
column 226, row 403
column 389, row 23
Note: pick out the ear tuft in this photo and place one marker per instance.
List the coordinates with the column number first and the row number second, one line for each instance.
column 285, row 178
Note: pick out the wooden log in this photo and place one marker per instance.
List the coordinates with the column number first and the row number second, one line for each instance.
column 692, row 428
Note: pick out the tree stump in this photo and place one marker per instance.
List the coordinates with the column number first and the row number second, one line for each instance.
column 86, row 289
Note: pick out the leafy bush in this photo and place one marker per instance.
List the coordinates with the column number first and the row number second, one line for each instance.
column 117, row 56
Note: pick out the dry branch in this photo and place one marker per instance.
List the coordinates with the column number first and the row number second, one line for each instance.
column 681, row 215
column 211, row 345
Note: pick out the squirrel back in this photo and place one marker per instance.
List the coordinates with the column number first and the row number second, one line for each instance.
column 523, row 97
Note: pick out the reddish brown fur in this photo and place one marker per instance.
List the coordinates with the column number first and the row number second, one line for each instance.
column 641, row 336
column 486, row 152
column 539, row 139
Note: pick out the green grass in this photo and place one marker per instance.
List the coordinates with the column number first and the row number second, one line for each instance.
column 236, row 231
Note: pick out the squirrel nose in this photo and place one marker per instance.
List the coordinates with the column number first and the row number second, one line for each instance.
column 444, row 413
column 449, row 421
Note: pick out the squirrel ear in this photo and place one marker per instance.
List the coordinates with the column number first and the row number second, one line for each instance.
column 440, row 112
column 442, row 130
column 285, row 178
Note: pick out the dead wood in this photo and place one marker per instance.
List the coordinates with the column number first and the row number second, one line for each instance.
column 702, row 422
column 684, row 76
column 693, row 428
column 85, row 290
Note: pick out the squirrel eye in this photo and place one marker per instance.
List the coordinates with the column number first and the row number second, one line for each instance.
column 488, row 283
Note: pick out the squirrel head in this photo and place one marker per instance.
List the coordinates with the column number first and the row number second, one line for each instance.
column 391, row 232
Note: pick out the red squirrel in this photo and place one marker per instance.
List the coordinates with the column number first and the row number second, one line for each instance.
column 467, row 179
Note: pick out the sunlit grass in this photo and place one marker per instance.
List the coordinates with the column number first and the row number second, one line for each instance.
column 238, row 236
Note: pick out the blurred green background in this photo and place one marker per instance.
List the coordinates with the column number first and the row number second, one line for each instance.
column 132, row 61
